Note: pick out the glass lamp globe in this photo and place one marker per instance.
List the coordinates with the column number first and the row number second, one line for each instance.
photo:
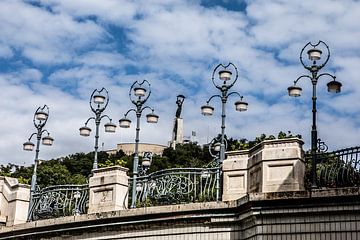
column 225, row 75
column 41, row 115
column 85, row 131
column 28, row 146
column 47, row 140
column 110, row 127
column 294, row 91
column 241, row 106
column 314, row 54
column 124, row 123
column 217, row 147
column 334, row 86
column 146, row 162
column 139, row 91
column 207, row 110
column 152, row 118
column 99, row 99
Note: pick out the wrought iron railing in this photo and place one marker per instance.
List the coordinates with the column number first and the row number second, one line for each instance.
column 59, row 201
column 339, row 168
column 177, row 185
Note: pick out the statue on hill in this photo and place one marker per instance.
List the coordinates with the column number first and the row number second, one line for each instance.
column 178, row 135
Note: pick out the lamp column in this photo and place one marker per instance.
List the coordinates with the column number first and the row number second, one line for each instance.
column 99, row 100
column 139, row 93
column 224, row 83
column 40, row 118
column 313, row 65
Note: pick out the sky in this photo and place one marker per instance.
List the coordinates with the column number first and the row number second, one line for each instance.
column 57, row 52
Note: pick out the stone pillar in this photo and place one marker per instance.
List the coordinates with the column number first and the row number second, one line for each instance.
column 14, row 201
column 178, row 134
column 235, row 175
column 280, row 165
column 108, row 189
column 271, row 166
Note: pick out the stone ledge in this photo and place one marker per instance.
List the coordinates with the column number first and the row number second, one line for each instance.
column 315, row 193
column 173, row 209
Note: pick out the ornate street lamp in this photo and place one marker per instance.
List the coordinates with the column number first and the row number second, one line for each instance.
column 214, row 150
column 99, row 100
column 40, row 118
column 224, row 83
column 313, row 66
column 139, row 93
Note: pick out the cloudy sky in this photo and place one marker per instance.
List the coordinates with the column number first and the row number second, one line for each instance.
column 57, row 52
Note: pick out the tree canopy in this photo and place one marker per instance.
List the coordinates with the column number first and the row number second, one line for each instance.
column 76, row 168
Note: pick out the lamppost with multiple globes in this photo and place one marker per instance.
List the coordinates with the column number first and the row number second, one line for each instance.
column 224, row 84
column 139, row 93
column 313, row 65
column 99, row 100
column 40, row 118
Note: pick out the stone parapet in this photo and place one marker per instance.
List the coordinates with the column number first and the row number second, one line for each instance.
column 320, row 214
column 14, row 201
column 108, row 189
column 271, row 166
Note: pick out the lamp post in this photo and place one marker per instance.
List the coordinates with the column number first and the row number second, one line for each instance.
column 214, row 150
column 99, row 100
column 139, row 93
column 313, row 65
column 40, row 118
column 224, row 84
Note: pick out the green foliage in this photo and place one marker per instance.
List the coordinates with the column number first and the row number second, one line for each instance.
column 76, row 168
column 109, row 163
column 73, row 169
column 244, row 144
column 187, row 155
column 5, row 170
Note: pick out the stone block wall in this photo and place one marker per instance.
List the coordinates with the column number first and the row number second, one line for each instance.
column 108, row 189
column 271, row 166
column 14, row 201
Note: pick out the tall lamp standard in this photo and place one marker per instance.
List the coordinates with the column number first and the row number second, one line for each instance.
column 224, row 84
column 314, row 52
column 139, row 93
column 99, row 100
column 40, row 118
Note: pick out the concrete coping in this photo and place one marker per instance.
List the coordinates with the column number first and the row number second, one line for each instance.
column 108, row 169
column 13, row 183
column 314, row 193
column 262, row 144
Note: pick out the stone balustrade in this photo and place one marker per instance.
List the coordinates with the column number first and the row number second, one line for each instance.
column 14, row 201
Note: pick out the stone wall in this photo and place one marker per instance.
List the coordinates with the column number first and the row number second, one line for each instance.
column 271, row 166
column 313, row 215
column 108, row 189
column 14, row 201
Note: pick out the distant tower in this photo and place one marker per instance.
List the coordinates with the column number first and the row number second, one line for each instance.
column 178, row 130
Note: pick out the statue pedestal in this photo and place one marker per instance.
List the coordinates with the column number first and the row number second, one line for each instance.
column 178, row 134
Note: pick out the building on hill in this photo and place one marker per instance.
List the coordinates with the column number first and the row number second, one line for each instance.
column 129, row 148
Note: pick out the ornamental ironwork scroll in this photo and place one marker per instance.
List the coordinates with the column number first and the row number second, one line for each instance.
column 339, row 168
column 59, row 201
column 177, row 185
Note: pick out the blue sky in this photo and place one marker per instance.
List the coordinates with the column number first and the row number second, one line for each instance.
column 58, row 52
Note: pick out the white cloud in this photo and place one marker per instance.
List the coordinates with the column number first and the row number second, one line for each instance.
column 57, row 52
